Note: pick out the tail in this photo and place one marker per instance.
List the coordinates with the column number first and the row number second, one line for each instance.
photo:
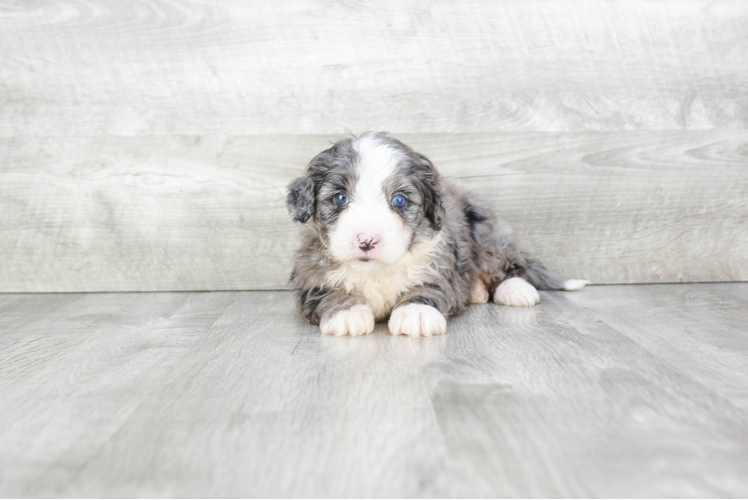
column 542, row 279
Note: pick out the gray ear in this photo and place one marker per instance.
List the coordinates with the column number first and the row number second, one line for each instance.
column 300, row 198
column 430, row 191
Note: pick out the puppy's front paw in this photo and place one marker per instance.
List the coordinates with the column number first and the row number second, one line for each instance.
column 417, row 320
column 516, row 292
column 358, row 320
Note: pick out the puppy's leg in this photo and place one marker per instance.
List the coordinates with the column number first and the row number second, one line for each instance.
column 420, row 312
column 335, row 312
column 513, row 277
column 356, row 320
column 501, row 262
column 516, row 292
column 479, row 292
column 417, row 320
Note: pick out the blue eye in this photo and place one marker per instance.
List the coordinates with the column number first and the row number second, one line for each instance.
column 341, row 199
column 399, row 201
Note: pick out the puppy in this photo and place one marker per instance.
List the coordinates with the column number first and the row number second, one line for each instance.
column 384, row 236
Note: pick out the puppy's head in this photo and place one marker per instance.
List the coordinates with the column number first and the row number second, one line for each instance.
column 368, row 198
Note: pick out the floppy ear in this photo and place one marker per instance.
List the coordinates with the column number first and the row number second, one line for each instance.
column 431, row 192
column 300, row 198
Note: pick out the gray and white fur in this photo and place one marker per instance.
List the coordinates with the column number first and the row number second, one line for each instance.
column 385, row 237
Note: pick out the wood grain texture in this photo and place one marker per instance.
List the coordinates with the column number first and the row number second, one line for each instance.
column 72, row 67
column 615, row 391
column 145, row 145
column 680, row 337
column 206, row 213
column 74, row 374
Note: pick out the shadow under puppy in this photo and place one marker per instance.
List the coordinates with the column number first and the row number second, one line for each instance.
column 386, row 236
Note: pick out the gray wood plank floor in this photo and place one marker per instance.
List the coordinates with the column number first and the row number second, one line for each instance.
column 611, row 391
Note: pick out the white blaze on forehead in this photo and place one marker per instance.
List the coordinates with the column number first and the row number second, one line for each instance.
column 376, row 162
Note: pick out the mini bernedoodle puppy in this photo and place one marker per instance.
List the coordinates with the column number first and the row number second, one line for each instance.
column 385, row 236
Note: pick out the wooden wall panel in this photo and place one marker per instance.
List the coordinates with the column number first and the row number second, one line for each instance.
column 145, row 145
column 309, row 67
column 202, row 213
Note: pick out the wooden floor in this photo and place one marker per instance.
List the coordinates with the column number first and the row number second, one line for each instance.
column 611, row 391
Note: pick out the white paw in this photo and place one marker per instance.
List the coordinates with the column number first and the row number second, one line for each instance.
column 516, row 292
column 478, row 294
column 358, row 320
column 571, row 285
column 417, row 320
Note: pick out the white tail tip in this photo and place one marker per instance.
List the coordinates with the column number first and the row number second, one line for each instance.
column 571, row 285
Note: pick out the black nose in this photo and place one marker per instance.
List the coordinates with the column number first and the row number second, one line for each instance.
column 366, row 245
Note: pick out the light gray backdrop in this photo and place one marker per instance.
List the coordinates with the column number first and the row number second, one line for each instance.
column 146, row 145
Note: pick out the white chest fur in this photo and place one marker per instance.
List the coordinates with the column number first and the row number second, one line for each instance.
column 381, row 286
